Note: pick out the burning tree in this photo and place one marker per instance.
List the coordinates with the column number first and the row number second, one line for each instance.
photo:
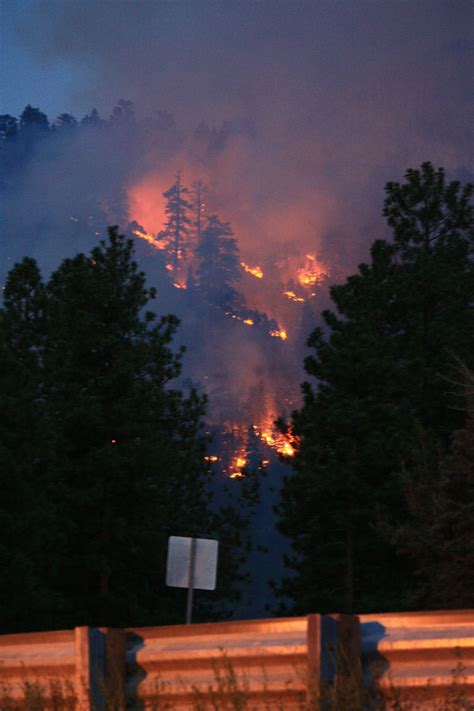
column 102, row 458
column 382, row 366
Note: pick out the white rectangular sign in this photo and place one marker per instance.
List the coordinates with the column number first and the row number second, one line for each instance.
column 179, row 560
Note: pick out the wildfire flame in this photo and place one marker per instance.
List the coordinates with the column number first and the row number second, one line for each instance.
column 148, row 237
column 238, row 463
column 275, row 440
column 292, row 296
column 311, row 273
column 279, row 334
column 254, row 271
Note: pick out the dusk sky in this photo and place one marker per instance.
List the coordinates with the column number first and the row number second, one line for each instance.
column 392, row 63
column 328, row 99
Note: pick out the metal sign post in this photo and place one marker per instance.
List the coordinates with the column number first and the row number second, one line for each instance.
column 192, row 564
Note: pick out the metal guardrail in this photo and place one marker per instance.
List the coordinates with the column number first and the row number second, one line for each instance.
column 277, row 661
column 426, row 656
column 41, row 656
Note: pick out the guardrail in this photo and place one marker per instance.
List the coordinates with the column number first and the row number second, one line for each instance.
column 426, row 656
column 40, row 656
column 279, row 662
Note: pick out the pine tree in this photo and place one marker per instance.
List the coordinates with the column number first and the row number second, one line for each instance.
column 8, row 127
column 437, row 533
column 178, row 220
column 123, row 115
column 34, row 128
column 219, row 265
column 27, row 438
column 199, row 193
column 65, row 122
column 32, row 119
column 93, row 120
column 378, row 365
column 102, row 458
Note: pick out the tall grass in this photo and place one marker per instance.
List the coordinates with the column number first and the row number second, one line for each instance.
column 231, row 691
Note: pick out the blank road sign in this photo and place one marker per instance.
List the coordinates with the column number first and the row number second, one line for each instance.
column 179, row 559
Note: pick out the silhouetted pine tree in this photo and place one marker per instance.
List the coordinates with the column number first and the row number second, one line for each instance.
column 178, row 220
column 219, row 265
column 381, row 365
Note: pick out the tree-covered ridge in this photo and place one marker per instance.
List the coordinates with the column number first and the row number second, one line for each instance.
column 382, row 363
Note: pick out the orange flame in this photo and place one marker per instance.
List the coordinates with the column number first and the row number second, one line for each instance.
column 292, row 296
column 254, row 271
column 279, row 334
column 238, row 463
column 275, row 440
column 150, row 238
column 311, row 273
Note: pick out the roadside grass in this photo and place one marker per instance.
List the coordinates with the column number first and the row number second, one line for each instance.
column 231, row 691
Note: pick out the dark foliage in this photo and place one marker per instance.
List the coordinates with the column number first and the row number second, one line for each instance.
column 101, row 457
column 381, row 366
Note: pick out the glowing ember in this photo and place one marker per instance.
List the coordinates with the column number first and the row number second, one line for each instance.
column 248, row 321
column 179, row 286
column 170, row 267
column 236, row 475
column 279, row 334
column 254, row 271
column 292, row 296
column 212, row 458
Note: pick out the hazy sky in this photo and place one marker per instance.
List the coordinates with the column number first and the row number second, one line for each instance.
column 335, row 97
column 219, row 59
